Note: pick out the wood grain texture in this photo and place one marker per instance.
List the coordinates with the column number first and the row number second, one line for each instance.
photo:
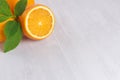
column 85, row 45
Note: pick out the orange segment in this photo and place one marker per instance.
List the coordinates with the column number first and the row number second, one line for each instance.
column 38, row 22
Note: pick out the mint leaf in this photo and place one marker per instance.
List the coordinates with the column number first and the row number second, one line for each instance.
column 3, row 18
column 13, row 35
column 20, row 7
column 11, row 28
column 4, row 8
column 5, row 11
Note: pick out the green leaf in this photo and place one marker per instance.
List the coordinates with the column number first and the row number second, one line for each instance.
column 13, row 35
column 3, row 18
column 20, row 7
column 4, row 8
column 10, row 28
column 5, row 12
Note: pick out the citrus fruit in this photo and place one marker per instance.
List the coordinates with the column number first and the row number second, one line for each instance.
column 12, row 3
column 37, row 22
column 2, row 24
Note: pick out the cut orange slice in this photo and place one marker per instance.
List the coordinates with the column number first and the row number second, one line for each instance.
column 37, row 22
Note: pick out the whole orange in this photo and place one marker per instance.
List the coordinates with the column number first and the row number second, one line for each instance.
column 12, row 4
column 2, row 24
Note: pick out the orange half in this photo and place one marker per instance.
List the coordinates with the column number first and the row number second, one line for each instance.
column 37, row 22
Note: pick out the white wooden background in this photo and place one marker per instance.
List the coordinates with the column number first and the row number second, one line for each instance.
column 85, row 45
